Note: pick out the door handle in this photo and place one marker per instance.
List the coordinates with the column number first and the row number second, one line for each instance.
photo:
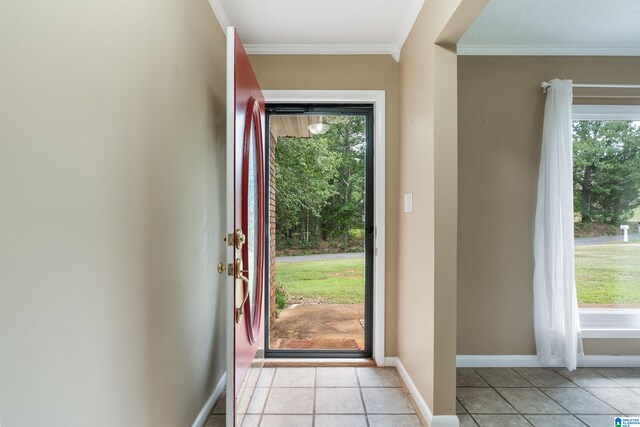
column 245, row 288
column 241, row 239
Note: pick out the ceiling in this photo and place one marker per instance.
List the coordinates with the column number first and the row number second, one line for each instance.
column 555, row 27
column 323, row 27
column 505, row 27
column 292, row 126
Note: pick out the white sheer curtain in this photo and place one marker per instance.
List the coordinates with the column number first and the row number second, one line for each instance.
column 557, row 326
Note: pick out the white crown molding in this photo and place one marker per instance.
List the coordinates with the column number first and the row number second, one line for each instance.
column 406, row 25
column 322, row 49
column 220, row 13
column 546, row 50
column 327, row 49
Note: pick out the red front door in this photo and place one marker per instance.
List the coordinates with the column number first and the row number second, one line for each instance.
column 246, row 217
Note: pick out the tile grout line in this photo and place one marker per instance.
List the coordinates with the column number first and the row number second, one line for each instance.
column 596, row 397
column 612, row 379
column 569, row 413
column 315, row 396
column 264, row 407
column 458, row 400
column 544, row 394
column 359, row 387
column 500, row 394
column 565, row 408
column 364, row 407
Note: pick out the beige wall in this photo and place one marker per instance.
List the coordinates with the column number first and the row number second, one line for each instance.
column 428, row 152
column 501, row 108
column 358, row 72
column 111, row 165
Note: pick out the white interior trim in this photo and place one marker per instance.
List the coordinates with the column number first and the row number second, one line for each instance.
column 220, row 13
column 377, row 98
column 596, row 323
column 608, row 323
column 307, row 361
column 546, row 50
column 497, row 361
column 323, row 49
column 230, row 213
column 201, row 419
column 606, row 112
column 610, row 333
column 407, row 23
column 531, row 361
column 422, row 407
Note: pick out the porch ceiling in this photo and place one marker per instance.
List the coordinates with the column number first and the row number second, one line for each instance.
column 291, row 126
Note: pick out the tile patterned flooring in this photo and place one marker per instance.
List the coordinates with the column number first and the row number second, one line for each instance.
column 541, row 397
column 327, row 397
column 487, row 397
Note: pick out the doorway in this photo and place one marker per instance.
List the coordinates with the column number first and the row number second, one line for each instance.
column 320, row 217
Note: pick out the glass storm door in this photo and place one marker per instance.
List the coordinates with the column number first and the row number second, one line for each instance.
column 245, row 221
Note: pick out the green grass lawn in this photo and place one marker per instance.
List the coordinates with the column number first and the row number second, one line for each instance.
column 608, row 274
column 605, row 274
column 332, row 282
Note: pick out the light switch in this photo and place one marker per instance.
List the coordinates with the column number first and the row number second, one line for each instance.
column 408, row 202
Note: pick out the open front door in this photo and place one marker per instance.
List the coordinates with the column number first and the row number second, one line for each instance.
column 246, row 225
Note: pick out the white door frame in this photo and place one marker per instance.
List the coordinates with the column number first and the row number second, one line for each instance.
column 377, row 98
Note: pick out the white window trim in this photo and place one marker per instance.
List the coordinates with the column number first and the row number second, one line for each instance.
column 377, row 98
column 606, row 112
column 613, row 322
column 610, row 323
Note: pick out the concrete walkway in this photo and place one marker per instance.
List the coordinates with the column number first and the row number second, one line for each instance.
column 587, row 241
column 314, row 326
column 319, row 257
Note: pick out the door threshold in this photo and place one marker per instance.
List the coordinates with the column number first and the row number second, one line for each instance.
column 308, row 362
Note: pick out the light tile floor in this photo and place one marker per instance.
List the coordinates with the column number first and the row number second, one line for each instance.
column 492, row 397
column 538, row 397
column 327, row 397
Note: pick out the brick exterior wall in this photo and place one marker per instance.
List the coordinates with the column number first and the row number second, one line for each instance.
column 272, row 230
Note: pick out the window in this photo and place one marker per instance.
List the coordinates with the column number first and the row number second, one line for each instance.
column 606, row 176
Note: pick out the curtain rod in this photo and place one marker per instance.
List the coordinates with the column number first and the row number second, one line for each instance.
column 545, row 86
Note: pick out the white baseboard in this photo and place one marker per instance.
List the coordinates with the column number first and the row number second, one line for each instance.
column 445, row 421
column 609, row 362
column 497, row 361
column 201, row 419
column 531, row 361
column 422, row 407
column 390, row 361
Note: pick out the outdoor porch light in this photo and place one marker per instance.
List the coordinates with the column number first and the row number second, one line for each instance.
column 318, row 128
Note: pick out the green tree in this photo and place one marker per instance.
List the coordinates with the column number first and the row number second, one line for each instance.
column 305, row 169
column 320, row 184
column 346, row 138
column 606, row 170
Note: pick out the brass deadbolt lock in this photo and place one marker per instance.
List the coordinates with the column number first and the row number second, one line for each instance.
column 241, row 239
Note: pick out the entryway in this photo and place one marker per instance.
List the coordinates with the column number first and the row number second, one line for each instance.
column 320, row 189
column 325, row 397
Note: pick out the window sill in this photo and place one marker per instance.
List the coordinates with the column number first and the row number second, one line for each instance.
column 610, row 323
column 609, row 333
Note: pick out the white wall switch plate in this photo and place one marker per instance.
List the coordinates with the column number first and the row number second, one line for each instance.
column 408, row 202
